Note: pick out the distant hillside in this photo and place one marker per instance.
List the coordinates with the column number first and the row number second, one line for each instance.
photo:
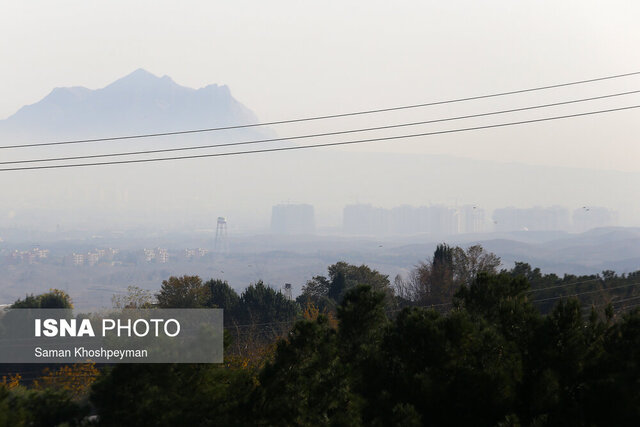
column 138, row 102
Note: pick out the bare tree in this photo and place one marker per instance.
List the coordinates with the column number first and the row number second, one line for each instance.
column 468, row 264
column 435, row 280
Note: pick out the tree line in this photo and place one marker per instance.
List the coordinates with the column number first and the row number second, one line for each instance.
column 456, row 342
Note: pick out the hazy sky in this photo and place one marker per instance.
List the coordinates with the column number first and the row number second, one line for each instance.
column 296, row 58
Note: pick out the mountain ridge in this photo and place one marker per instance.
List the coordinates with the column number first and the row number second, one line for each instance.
column 137, row 102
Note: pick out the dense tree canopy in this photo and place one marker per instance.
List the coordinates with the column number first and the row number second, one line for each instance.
column 55, row 298
column 508, row 348
column 492, row 360
column 327, row 292
column 20, row 407
column 183, row 292
column 222, row 295
column 260, row 304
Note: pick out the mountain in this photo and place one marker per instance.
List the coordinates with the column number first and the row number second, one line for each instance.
column 138, row 102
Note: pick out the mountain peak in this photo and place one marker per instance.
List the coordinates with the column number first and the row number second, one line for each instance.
column 140, row 73
column 138, row 78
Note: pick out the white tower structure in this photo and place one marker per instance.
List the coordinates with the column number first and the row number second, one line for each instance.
column 221, row 243
column 287, row 292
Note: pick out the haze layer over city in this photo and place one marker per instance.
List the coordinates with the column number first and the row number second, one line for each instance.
column 552, row 158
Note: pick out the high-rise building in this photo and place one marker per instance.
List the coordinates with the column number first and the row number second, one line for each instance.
column 405, row 219
column 78, row 259
column 443, row 220
column 533, row 219
column 163, row 255
column 293, row 219
column 471, row 219
column 369, row 220
column 366, row 220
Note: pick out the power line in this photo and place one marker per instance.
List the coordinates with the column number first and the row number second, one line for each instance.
column 324, row 117
column 613, row 302
column 632, row 306
column 432, row 306
column 588, row 292
column 563, row 286
column 557, row 297
column 625, row 300
column 231, row 327
column 261, row 141
column 329, row 144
